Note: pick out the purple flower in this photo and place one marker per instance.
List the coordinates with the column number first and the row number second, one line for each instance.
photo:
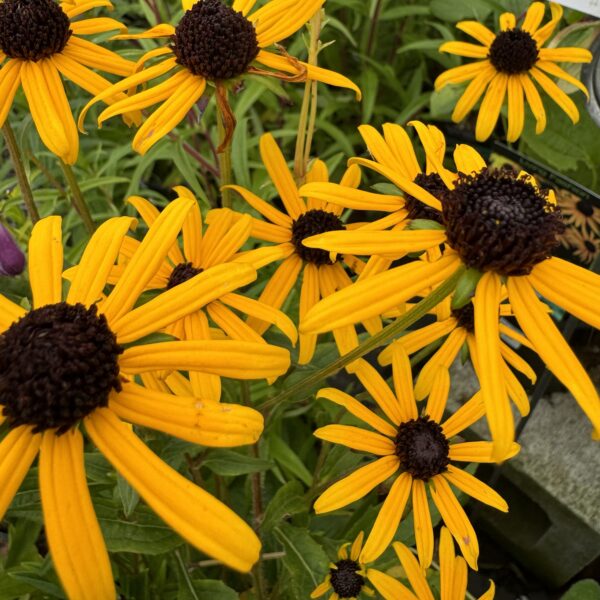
column 12, row 260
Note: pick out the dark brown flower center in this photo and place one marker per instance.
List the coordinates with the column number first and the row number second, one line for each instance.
column 513, row 51
column 33, row 29
column 433, row 184
column 498, row 221
column 585, row 207
column 590, row 246
column 465, row 317
column 215, row 41
column 58, row 363
column 345, row 580
column 314, row 222
column 422, row 448
column 182, row 273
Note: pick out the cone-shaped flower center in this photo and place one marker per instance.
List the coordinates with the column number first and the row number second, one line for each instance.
column 345, row 580
column 215, row 41
column 314, row 222
column 33, row 29
column 585, row 207
column 513, row 51
column 181, row 273
column 422, row 448
column 465, row 317
column 433, row 184
column 57, row 364
column 499, row 221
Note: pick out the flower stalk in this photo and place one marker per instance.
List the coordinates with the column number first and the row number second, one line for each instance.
column 77, row 199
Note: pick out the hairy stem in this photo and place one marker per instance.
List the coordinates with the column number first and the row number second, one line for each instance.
column 224, row 151
column 17, row 161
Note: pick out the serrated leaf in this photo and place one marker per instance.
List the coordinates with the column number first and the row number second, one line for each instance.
column 231, row 464
column 288, row 500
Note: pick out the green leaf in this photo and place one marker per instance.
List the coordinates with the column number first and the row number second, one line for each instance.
column 586, row 589
column 212, row 589
column 425, row 224
column 465, row 288
column 288, row 500
column 231, row 464
column 289, row 460
column 21, row 542
column 129, row 497
column 305, row 561
column 458, row 10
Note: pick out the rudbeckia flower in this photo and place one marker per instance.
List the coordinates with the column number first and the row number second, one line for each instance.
column 452, row 330
column 453, row 576
column 511, row 63
column 505, row 226
column 64, row 368
column 215, row 43
column 417, row 450
column 347, row 577
column 322, row 274
column 219, row 244
column 40, row 40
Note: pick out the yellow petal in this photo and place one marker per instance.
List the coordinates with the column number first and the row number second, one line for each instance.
column 97, row 261
column 468, row 160
column 423, row 526
column 9, row 313
column 456, row 520
column 264, row 208
column 516, row 109
column 470, row 412
column 480, row 452
column 96, row 25
column 414, row 571
column 197, row 420
column 460, row 74
column 17, row 451
column 543, row 33
column 147, row 259
column 200, row 519
column 403, row 384
column 563, row 101
column 356, row 485
column 438, row 397
column 507, row 21
column 473, row 92
column 493, row 389
column 74, row 537
column 478, row 31
column 357, row 439
column 476, row 489
column 535, row 102
column 533, row 17
column 552, row 347
column 357, row 546
column 97, row 57
column 10, row 79
column 446, row 551
column 575, row 55
column 321, row 589
column 465, row 49
column 351, row 198
column 46, row 261
column 387, row 520
column 490, row 107
column 389, row 587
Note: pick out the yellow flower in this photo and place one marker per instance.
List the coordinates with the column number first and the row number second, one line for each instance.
column 322, row 275
column 453, row 576
column 219, row 244
column 511, row 61
column 453, row 329
column 214, row 43
column 346, row 577
column 416, row 450
column 40, row 40
column 503, row 225
column 63, row 365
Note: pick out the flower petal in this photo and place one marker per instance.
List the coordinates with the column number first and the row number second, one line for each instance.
column 413, row 570
column 10, row 80
column 350, row 197
column 490, row 107
column 480, row 452
column 389, row 587
column 357, row 439
column 46, row 262
column 423, row 525
column 200, row 519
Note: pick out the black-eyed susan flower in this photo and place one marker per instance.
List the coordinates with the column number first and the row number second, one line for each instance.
column 347, row 576
column 203, row 249
column 505, row 226
column 579, row 212
column 395, row 158
column 416, row 449
column 40, row 41
column 453, row 576
column 511, row 63
column 64, row 367
column 584, row 244
column 321, row 274
column 455, row 328
column 215, row 43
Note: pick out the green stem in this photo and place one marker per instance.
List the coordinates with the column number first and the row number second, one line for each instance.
column 386, row 334
column 77, row 198
column 15, row 156
column 186, row 576
column 224, row 162
column 309, row 102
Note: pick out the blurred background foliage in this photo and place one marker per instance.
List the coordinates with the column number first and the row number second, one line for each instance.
column 389, row 48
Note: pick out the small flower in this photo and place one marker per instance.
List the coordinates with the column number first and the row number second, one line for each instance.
column 416, row 449
column 510, row 62
column 579, row 212
column 12, row 259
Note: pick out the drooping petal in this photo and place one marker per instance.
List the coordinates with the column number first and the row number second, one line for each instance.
column 357, row 439
column 414, row 571
column 473, row 92
column 199, row 518
column 476, row 489
column 389, row 587
column 423, row 526
column 478, row 31
column 10, row 79
column 490, row 107
column 535, row 102
column 563, row 101
column 356, row 485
